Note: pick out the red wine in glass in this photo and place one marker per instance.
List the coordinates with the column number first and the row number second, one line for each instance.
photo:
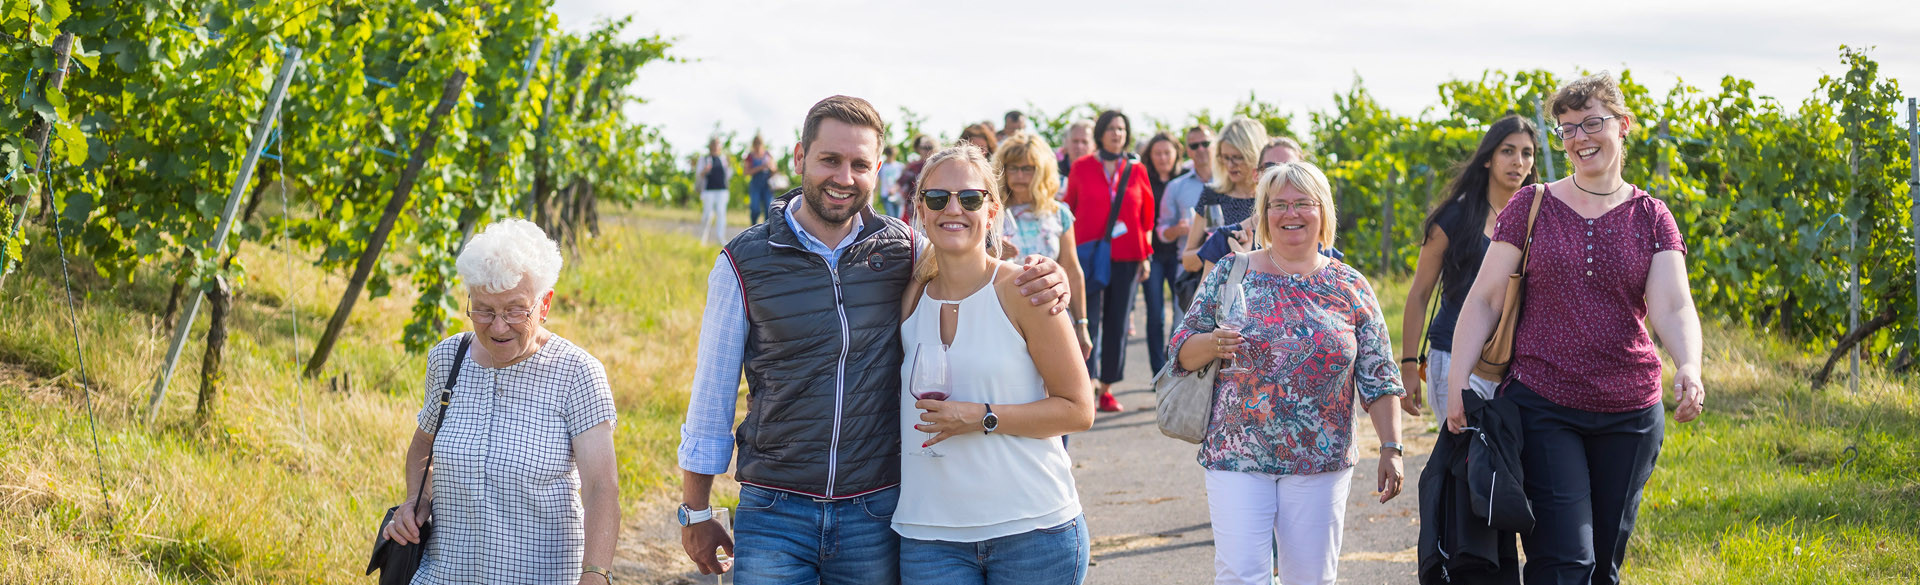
column 930, row 381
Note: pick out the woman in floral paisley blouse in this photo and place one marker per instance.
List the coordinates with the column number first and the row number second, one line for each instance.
column 1279, row 452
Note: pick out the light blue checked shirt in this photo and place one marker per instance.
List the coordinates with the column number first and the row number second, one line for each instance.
column 706, row 439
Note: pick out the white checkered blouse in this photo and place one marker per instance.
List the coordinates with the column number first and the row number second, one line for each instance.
column 506, row 505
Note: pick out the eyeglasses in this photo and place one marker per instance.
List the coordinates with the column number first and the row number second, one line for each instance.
column 1023, row 169
column 1591, row 126
column 512, row 317
column 970, row 199
column 1297, row 206
column 1233, row 159
column 1199, row 145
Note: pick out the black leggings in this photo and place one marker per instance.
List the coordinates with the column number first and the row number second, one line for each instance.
column 1585, row 471
column 1107, row 311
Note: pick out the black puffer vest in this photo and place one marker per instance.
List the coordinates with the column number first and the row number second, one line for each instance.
column 823, row 357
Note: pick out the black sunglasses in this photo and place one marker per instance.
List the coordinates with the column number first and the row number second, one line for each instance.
column 1199, row 145
column 970, row 199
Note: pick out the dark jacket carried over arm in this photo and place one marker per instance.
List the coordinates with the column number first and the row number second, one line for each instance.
column 1472, row 499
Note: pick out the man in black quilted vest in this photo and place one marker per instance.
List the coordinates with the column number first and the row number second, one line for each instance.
column 808, row 304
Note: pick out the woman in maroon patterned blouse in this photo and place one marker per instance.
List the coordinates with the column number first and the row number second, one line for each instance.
column 1607, row 261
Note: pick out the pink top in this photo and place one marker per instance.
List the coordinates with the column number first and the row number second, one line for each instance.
column 1582, row 340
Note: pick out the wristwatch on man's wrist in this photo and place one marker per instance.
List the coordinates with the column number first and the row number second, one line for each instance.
column 688, row 517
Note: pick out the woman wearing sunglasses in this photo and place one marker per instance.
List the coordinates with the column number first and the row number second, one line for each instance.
column 1036, row 222
column 1112, row 196
column 1001, row 478
column 1308, row 337
column 1605, row 262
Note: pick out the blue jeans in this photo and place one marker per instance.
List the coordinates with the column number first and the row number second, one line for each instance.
column 788, row 539
column 1048, row 556
column 1160, row 275
column 759, row 196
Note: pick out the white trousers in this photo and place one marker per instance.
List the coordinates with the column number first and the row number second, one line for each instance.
column 1305, row 513
column 713, row 214
column 1437, row 364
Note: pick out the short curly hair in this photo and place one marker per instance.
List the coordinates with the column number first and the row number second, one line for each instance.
column 1597, row 87
column 508, row 252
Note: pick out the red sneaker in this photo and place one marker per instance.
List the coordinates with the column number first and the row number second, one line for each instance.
column 1109, row 404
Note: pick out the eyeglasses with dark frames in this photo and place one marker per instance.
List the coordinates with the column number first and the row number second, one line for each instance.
column 970, row 199
column 1592, row 125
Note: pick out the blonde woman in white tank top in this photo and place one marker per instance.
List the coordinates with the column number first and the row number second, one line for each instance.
column 999, row 505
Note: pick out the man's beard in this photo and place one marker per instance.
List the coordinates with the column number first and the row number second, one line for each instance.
column 816, row 198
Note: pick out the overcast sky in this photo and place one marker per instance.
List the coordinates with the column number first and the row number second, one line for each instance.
column 759, row 65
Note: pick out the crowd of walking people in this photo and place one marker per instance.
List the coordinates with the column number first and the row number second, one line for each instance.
column 913, row 373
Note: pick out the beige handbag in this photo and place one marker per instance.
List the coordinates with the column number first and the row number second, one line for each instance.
column 1497, row 355
column 1186, row 402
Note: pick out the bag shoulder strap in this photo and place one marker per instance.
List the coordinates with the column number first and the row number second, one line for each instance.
column 440, row 417
column 1235, row 276
column 1533, row 213
column 1119, row 193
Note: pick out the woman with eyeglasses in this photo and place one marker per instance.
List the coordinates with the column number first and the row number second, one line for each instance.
column 1111, row 196
column 1606, row 261
column 521, row 487
column 1036, row 222
column 1458, row 232
column 1235, row 170
column 1238, row 236
column 1311, row 338
column 993, row 476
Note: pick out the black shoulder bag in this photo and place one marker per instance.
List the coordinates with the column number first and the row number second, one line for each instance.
column 398, row 562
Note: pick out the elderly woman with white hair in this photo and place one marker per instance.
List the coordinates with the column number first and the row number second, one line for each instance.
column 1308, row 337
column 520, row 485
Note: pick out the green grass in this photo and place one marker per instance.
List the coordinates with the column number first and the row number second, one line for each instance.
column 285, row 483
column 1760, row 489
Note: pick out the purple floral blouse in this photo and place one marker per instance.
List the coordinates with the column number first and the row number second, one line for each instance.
column 1317, row 340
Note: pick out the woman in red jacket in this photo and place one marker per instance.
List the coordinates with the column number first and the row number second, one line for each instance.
column 1115, row 265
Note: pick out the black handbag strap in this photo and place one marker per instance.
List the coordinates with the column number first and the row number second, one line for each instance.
column 446, row 396
column 1119, row 193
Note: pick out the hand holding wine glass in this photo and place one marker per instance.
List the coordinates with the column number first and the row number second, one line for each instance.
column 1233, row 319
column 930, row 381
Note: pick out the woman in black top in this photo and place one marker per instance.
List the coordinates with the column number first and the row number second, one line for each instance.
column 1235, row 170
column 1457, row 234
column 1162, row 155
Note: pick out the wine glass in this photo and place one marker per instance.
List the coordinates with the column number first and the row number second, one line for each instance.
column 1234, row 318
column 725, row 522
column 1216, row 216
column 930, row 381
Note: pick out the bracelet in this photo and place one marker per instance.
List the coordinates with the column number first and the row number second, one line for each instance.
column 1412, row 360
column 1397, row 448
column 1080, row 321
column 603, row 573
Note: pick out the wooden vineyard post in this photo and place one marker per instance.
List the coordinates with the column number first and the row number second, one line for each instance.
column 402, row 191
column 261, row 129
column 38, row 135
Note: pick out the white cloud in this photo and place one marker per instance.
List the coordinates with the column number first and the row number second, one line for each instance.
column 761, row 64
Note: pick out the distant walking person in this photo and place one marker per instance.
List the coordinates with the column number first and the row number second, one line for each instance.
column 981, row 136
column 1078, row 145
column 819, row 449
column 890, row 191
column 1606, row 261
column 910, row 177
column 1457, row 234
column 997, row 381
column 1162, row 156
column 714, row 174
column 1036, row 222
column 1279, row 452
column 1110, row 195
column 523, row 486
column 1176, row 216
column 1012, row 125
column 759, row 165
